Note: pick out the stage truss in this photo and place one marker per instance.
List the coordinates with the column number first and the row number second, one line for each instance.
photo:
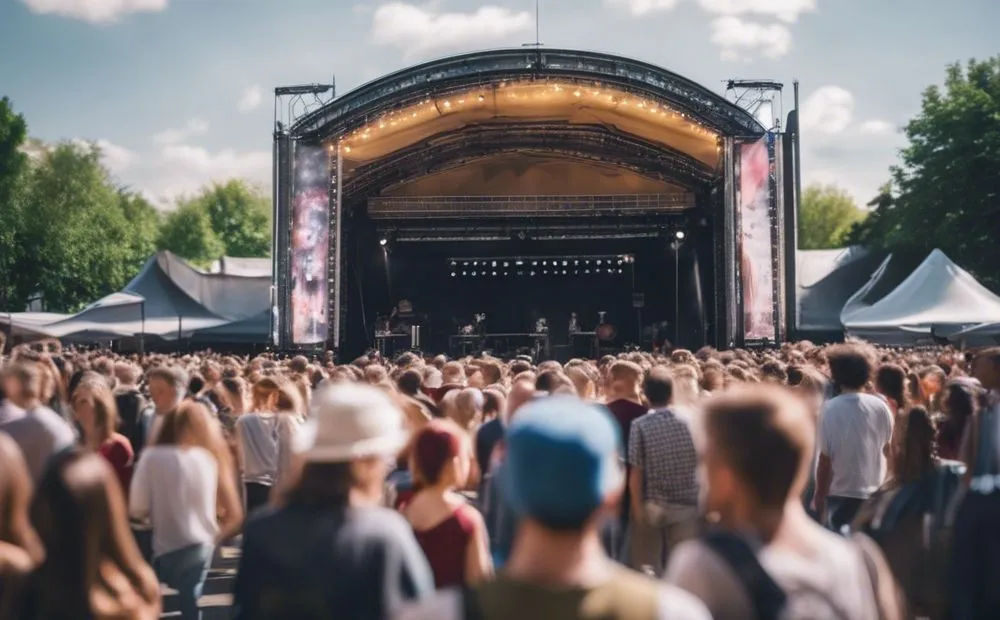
column 750, row 289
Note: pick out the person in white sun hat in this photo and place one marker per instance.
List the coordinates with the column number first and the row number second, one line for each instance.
column 328, row 549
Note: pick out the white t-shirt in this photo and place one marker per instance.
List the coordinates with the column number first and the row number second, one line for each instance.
column 176, row 489
column 853, row 431
column 831, row 584
column 674, row 604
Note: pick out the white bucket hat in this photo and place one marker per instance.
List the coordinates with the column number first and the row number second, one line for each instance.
column 351, row 421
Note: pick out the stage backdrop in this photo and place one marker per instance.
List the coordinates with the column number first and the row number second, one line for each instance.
column 756, row 192
column 309, row 244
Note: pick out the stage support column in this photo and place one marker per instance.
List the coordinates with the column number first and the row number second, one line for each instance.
column 281, row 257
column 730, row 324
column 334, row 266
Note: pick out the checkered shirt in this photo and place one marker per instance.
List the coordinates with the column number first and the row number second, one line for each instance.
column 660, row 444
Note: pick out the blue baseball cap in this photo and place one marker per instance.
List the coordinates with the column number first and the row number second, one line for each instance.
column 561, row 461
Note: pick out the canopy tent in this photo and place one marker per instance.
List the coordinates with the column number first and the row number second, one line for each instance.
column 244, row 267
column 825, row 281
column 983, row 335
column 169, row 299
column 253, row 330
column 937, row 300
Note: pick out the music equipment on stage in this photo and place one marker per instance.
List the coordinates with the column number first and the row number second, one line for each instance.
column 574, row 324
column 606, row 332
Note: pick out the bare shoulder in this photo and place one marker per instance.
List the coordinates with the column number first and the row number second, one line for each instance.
column 676, row 604
column 443, row 605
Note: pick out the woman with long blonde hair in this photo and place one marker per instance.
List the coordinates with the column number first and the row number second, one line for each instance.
column 93, row 568
column 189, row 467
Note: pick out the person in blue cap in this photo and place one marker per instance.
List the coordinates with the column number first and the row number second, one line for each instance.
column 563, row 477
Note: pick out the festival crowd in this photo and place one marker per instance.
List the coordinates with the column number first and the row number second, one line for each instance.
column 806, row 483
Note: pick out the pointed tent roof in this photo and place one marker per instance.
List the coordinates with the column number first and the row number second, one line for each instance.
column 938, row 292
column 825, row 281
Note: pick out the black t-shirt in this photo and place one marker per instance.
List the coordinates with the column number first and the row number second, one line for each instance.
column 486, row 440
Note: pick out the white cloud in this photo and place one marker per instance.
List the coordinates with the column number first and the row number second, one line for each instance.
column 876, row 127
column 642, row 7
column 785, row 10
column 250, row 99
column 417, row 30
column 182, row 169
column 738, row 38
column 194, row 127
column 94, row 11
column 115, row 158
column 829, row 110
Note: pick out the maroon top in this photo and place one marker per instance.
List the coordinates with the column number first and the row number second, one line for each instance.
column 626, row 412
column 445, row 546
column 118, row 452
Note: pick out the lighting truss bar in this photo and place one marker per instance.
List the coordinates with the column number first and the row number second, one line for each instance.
column 464, row 207
column 515, row 260
column 431, row 238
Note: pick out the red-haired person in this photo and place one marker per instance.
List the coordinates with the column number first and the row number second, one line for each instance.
column 451, row 532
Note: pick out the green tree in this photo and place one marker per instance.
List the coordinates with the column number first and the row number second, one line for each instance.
column 240, row 215
column 188, row 233
column 826, row 216
column 945, row 193
column 145, row 221
column 13, row 167
column 76, row 242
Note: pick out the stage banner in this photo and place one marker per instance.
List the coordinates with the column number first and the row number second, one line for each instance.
column 755, row 196
column 310, row 242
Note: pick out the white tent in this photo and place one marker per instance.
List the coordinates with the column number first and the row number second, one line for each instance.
column 937, row 300
column 984, row 335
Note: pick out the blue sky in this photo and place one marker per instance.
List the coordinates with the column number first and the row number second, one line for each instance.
column 179, row 92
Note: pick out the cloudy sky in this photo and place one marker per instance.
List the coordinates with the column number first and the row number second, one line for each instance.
column 179, row 92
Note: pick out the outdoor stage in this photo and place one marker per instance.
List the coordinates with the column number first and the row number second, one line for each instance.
column 529, row 184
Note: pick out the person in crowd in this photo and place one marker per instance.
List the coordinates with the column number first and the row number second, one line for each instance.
column 975, row 560
column 38, row 431
column 92, row 568
column 167, row 389
column 959, row 403
column 257, row 443
column 501, row 522
column 451, row 532
column 290, row 418
column 130, row 403
column 624, row 400
column 932, row 380
column 664, row 489
column 329, row 549
column 767, row 558
column 487, row 435
column 20, row 549
column 96, row 414
column 890, row 384
column 189, row 463
column 855, row 430
column 563, row 475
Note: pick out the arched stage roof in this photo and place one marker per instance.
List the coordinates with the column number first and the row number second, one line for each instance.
column 480, row 109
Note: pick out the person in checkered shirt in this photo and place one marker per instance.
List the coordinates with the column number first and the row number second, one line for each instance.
column 662, row 481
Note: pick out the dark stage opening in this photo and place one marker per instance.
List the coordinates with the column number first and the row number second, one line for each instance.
column 518, row 281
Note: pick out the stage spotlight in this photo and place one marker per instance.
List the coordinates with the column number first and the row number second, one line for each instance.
column 494, row 273
column 494, row 263
column 598, row 262
column 453, row 263
column 532, row 273
column 473, row 273
column 680, row 235
column 453, row 274
column 519, row 263
column 383, row 242
column 465, row 273
column 565, row 263
column 506, row 264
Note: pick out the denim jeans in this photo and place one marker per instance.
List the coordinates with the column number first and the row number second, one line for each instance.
column 185, row 570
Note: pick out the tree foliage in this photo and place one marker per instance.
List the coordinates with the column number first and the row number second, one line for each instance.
column 240, row 216
column 79, row 244
column 946, row 191
column 13, row 166
column 188, row 233
column 826, row 216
